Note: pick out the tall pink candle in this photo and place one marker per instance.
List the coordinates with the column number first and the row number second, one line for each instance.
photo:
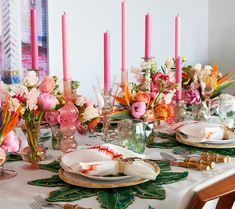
column 34, row 37
column 65, row 47
column 148, row 30
column 124, row 36
column 178, row 79
column 177, row 36
column 106, row 61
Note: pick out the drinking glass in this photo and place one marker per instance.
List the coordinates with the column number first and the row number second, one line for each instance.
column 207, row 83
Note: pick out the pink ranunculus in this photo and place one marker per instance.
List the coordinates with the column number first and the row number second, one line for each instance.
column 52, row 117
column 138, row 109
column 192, row 96
column 47, row 85
column 47, row 101
column 11, row 143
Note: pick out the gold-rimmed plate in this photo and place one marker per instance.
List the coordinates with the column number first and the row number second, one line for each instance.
column 82, row 181
column 184, row 139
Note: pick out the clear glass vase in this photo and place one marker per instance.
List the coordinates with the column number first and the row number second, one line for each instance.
column 132, row 135
column 35, row 152
column 56, row 137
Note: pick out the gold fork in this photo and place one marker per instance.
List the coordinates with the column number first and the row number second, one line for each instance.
column 44, row 203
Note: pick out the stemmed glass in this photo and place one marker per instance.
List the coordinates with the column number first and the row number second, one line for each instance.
column 106, row 100
column 5, row 173
column 208, row 84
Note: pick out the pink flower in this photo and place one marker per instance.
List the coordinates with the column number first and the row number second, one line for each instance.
column 138, row 109
column 161, row 82
column 52, row 117
column 89, row 103
column 192, row 96
column 11, row 143
column 47, row 101
column 47, row 85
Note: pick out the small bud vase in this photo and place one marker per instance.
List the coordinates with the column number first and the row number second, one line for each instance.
column 35, row 152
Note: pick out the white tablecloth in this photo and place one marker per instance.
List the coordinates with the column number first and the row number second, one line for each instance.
column 15, row 193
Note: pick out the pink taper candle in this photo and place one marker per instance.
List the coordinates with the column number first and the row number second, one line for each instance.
column 124, row 36
column 34, row 37
column 177, row 36
column 106, row 61
column 65, row 47
column 148, row 30
column 178, row 79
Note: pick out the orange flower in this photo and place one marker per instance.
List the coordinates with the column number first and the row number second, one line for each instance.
column 164, row 112
column 94, row 123
column 142, row 96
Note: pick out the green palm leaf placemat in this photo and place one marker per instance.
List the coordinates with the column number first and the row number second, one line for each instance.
column 115, row 198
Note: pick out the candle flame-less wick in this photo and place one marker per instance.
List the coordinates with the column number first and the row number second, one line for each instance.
column 33, row 4
column 65, row 13
column 178, row 15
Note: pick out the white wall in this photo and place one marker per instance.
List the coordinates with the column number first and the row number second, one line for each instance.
column 89, row 19
column 222, row 35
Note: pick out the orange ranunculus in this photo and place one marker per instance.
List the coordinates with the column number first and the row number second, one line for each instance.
column 142, row 96
column 164, row 112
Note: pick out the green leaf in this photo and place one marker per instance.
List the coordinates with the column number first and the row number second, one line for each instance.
column 48, row 182
column 71, row 193
column 120, row 115
column 116, row 198
column 54, row 166
column 12, row 157
column 222, row 87
column 164, row 145
column 150, row 190
column 150, row 207
column 170, row 177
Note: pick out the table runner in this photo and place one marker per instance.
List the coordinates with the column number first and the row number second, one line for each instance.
column 110, row 198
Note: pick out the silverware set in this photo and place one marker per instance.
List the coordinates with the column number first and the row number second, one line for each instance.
column 43, row 203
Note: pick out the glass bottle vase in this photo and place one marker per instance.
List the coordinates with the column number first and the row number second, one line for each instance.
column 34, row 152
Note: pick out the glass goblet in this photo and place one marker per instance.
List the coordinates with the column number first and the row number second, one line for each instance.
column 207, row 83
column 5, row 173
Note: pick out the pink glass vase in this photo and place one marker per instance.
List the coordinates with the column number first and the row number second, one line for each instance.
column 68, row 117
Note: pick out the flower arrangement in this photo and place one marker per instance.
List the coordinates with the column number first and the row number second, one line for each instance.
column 191, row 82
column 150, row 98
column 88, row 113
column 8, row 120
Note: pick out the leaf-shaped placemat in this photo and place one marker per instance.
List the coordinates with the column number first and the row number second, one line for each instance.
column 13, row 157
column 150, row 190
column 70, row 193
column 171, row 177
column 164, row 145
column 54, row 166
column 53, row 181
column 164, row 165
column 116, row 198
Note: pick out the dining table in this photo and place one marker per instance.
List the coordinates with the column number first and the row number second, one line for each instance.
column 16, row 193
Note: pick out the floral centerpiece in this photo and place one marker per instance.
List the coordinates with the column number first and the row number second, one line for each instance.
column 150, row 98
column 35, row 99
column 88, row 114
column 193, row 94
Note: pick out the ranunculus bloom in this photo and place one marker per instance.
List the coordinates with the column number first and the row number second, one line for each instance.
column 47, row 101
column 31, row 79
column 138, row 109
column 149, row 116
column 47, row 85
column 52, row 117
column 142, row 97
column 192, row 96
column 11, row 143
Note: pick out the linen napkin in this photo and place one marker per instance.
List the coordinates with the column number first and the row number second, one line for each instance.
column 202, row 131
column 108, row 159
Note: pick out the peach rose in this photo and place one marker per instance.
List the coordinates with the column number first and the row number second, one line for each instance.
column 47, row 85
column 142, row 96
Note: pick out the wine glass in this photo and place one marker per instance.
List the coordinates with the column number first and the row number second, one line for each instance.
column 208, row 84
column 106, row 100
column 5, row 173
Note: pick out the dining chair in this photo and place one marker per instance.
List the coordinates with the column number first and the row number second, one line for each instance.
column 224, row 190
